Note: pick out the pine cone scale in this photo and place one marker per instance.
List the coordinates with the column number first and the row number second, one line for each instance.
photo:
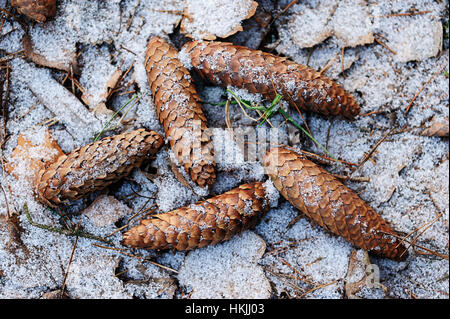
column 179, row 111
column 205, row 223
column 225, row 64
column 330, row 204
column 95, row 166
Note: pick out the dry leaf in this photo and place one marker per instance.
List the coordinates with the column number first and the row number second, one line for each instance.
column 437, row 128
column 28, row 49
column 23, row 156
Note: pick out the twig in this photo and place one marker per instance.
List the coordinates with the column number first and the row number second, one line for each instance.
column 28, row 111
column 120, row 80
column 2, row 23
column 403, row 239
column 411, row 13
column 70, row 262
column 426, row 226
column 384, row 45
column 319, row 287
column 371, row 113
column 66, row 232
column 290, row 4
column 328, row 65
column 367, row 156
column 352, row 179
column 323, row 158
column 122, row 251
column 421, row 89
column 5, row 106
column 303, row 278
column 281, row 277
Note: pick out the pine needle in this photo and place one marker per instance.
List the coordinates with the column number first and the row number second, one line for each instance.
column 268, row 112
column 135, row 98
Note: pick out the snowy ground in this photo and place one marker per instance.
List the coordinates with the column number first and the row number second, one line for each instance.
column 391, row 51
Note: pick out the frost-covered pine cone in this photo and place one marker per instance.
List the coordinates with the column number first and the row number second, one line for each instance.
column 95, row 166
column 331, row 204
column 204, row 223
column 226, row 64
column 179, row 109
column 37, row 10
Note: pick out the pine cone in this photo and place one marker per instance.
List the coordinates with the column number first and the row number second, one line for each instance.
column 226, row 64
column 95, row 166
column 37, row 10
column 179, row 109
column 331, row 204
column 204, row 223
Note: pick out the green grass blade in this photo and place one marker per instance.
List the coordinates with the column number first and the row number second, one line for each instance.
column 114, row 115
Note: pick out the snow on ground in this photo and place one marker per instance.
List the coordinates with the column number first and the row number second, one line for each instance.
column 391, row 51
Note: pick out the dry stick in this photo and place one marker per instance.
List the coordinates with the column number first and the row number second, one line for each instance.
column 428, row 225
column 323, row 157
column 290, row 4
column 70, row 262
column 328, row 65
column 310, row 52
column 66, row 232
column 421, row 89
column 352, row 179
column 146, row 211
column 384, row 45
column 28, row 111
column 141, row 210
column 371, row 113
column 120, row 80
column 367, row 156
column 71, row 78
column 126, row 49
column 4, row 106
column 281, row 277
column 65, row 219
column 2, row 23
column 432, row 252
column 122, row 251
column 303, row 278
column 11, row 56
column 319, row 287
column 411, row 13
column 328, row 132
column 428, row 192
column 424, row 225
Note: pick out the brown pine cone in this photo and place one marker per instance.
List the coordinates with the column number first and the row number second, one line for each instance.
column 226, row 64
column 331, row 204
column 95, row 166
column 37, row 10
column 204, row 223
column 179, row 109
